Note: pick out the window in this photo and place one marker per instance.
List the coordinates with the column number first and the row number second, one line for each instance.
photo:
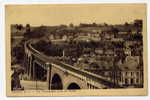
column 137, row 80
column 126, row 73
column 131, row 73
column 120, row 73
column 132, row 81
column 126, row 81
column 120, row 78
column 137, row 73
column 110, row 74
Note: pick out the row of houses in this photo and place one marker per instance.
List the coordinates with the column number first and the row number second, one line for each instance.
column 98, row 34
column 117, row 57
column 127, row 74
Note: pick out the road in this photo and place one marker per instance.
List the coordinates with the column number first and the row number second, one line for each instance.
column 33, row 85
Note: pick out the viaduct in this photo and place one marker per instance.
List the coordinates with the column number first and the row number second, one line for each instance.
column 59, row 75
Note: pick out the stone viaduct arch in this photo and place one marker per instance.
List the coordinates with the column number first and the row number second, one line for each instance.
column 56, row 83
column 73, row 86
column 61, row 79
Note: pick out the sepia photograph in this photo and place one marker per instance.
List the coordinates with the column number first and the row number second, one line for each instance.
column 76, row 49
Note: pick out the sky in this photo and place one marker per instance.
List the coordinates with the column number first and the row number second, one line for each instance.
column 65, row 14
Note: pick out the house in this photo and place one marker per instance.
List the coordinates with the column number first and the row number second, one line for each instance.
column 51, row 37
column 107, row 35
column 57, row 36
column 130, row 73
column 109, row 52
column 99, row 51
column 127, row 51
column 64, row 37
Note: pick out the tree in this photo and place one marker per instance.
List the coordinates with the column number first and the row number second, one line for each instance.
column 19, row 27
column 28, row 28
column 105, row 24
column 94, row 24
column 71, row 25
column 37, row 32
column 126, row 24
column 42, row 45
column 18, row 52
